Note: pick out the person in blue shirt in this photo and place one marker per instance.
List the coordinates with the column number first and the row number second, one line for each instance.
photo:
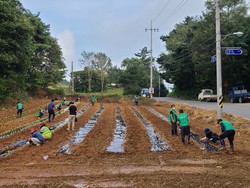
column 51, row 107
column 136, row 100
column 36, row 137
column 210, row 136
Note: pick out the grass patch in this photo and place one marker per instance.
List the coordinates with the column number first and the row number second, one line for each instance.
column 109, row 92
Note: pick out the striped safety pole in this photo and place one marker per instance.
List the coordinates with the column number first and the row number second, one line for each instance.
column 221, row 102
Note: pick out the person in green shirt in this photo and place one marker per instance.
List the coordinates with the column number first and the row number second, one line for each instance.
column 64, row 101
column 172, row 117
column 59, row 107
column 183, row 121
column 19, row 107
column 40, row 113
column 93, row 100
column 228, row 131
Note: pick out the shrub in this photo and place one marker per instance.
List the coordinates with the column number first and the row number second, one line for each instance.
column 52, row 92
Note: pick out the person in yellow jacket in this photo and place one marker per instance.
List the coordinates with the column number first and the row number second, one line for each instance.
column 45, row 131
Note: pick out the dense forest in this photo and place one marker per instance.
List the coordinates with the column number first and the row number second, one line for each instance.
column 30, row 58
column 132, row 76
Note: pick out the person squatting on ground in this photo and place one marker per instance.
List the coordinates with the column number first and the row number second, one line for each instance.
column 36, row 138
column 136, row 100
column 172, row 117
column 228, row 131
column 184, row 126
column 59, row 107
column 19, row 107
column 45, row 131
column 210, row 136
column 51, row 107
column 40, row 113
column 72, row 116
column 64, row 101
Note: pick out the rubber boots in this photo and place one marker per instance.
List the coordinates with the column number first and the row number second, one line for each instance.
column 231, row 148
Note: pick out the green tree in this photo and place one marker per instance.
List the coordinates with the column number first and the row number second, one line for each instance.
column 102, row 64
column 26, row 44
column 114, row 75
column 87, row 61
column 191, row 45
column 47, row 61
column 144, row 56
column 178, row 63
column 15, row 44
column 135, row 76
column 81, row 81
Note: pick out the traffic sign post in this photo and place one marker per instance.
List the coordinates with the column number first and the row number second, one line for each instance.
column 233, row 51
column 213, row 59
column 151, row 90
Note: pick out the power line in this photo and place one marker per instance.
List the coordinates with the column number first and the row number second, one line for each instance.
column 179, row 6
column 161, row 10
column 157, row 43
column 187, row 54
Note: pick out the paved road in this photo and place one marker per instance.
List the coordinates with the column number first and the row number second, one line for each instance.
column 242, row 109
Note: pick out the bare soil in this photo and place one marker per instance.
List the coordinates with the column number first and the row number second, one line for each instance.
column 90, row 165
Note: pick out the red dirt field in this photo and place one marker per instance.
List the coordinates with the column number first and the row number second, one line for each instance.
column 90, row 165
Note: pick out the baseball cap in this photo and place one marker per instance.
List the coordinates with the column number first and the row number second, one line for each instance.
column 32, row 130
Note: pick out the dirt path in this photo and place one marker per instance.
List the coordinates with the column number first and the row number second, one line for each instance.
column 137, row 140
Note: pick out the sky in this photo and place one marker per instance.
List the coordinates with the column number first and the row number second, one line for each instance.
column 114, row 27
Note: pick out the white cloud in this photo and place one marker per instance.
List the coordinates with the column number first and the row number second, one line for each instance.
column 66, row 41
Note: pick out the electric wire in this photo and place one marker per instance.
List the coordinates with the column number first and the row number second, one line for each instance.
column 187, row 54
column 161, row 10
column 174, row 12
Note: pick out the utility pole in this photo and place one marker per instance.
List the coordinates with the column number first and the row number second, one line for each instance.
column 151, row 58
column 159, row 85
column 218, row 61
column 72, row 77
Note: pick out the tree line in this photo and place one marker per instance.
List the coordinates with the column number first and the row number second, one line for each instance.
column 190, row 46
column 133, row 75
column 30, row 58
